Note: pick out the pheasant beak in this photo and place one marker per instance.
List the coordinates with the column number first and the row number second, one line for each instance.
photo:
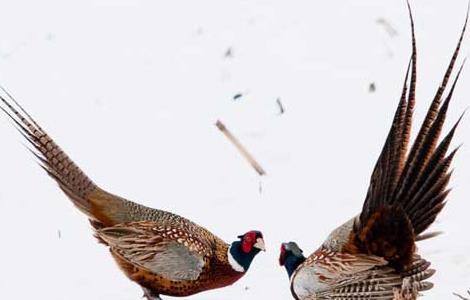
column 260, row 244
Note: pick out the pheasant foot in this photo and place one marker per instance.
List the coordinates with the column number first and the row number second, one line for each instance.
column 150, row 295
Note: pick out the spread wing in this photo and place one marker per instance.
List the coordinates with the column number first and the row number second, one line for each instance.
column 165, row 251
column 408, row 190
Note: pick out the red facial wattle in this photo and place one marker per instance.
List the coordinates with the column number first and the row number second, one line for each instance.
column 282, row 256
column 249, row 239
column 246, row 247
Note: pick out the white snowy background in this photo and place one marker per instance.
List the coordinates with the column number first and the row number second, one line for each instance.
column 132, row 89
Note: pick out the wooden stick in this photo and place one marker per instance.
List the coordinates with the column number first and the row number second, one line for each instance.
column 240, row 148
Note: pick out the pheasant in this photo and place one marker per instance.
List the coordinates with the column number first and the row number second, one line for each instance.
column 374, row 255
column 164, row 253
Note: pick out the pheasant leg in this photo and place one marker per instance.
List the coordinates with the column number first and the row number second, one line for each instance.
column 150, row 295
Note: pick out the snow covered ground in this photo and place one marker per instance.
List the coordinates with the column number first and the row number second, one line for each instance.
column 132, row 89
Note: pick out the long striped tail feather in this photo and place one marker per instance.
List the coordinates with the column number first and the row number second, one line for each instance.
column 102, row 208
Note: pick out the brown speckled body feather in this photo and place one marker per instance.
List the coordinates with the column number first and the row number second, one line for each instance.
column 216, row 272
column 215, row 266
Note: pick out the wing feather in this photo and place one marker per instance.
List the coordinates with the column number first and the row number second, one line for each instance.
column 165, row 251
column 413, row 186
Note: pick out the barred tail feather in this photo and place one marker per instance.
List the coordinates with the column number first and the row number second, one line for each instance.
column 50, row 156
column 101, row 207
column 383, row 283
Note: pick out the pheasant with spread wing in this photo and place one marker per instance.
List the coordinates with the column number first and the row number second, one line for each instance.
column 164, row 253
column 373, row 255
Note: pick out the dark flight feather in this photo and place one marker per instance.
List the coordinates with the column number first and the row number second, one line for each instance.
column 407, row 191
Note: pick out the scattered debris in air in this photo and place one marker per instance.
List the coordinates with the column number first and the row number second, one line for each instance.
column 462, row 297
column 199, row 31
column 240, row 148
column 281, row 107
column 98, row 101
column 372, row 87
column 389, row 51
column 49, row 37
column 229, row 53
column 241, row 94
column 392, row 32
column 13, row 49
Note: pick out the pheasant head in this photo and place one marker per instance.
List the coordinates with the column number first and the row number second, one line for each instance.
column 291, row 257
column 242, row 251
